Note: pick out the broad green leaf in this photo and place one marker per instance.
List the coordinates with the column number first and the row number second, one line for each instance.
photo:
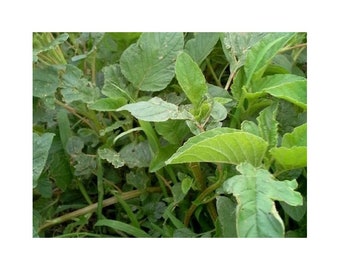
column 64, row 126
column 45, row 81
column 226, row 216
column 293, row 153
column 223, row 145
column 74, row 87
column 174, row 131
column 250, row 127
column 218, row 111
column 44, row 187
column 236, row 46
column 290, row 158
column 86, row 164
column 149, row 63
column 163, row 154
column 107, row 104
column 186, row 184
column 121, row 226
column 74, row 145
column 111, row 156
column 295, row 212
column 256, row 190
column 260, row 55
column 296, row 138
column 155, row 110
column 177, row 193
column 286, row 86
column 115, row 85
column 201, row 46
column 136, row 154
column 190, row 78
column 268, row 126
column 59, row 165
column 41, row 147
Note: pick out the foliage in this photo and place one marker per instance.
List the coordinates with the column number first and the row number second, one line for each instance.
column 169, row 135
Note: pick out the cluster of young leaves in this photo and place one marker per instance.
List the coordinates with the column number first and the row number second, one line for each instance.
column 169, row 135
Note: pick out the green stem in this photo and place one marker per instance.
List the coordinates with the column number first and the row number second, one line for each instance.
column 202, row 196
column 100, row 187
column 84, row 192
column 93, row 207
column 196, row 171
column 213, row 72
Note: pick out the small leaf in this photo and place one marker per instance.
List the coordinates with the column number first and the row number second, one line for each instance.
column 121, row 226
column 115, row 85
column 260, row 55
column 295, row 212
column 226, row 216
column 111, row 156
column 224, row 145
column 256, row 190
column 268, row 126
column 45, row 81
column 250, row 127
column 155, row 110
column 107, row 104
column 41, row 147
column 190, row 78
column 174, row 131
column 236, row 46
column 149, row 63
column 201, row 45
column 85, row 164
column 136, row 154
column 286, row 86
column 296, row 138
column 186, row 184
column 74, row 145
column 290, row 158
column 161, row 156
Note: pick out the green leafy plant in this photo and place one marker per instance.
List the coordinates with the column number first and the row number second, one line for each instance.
column 169, row 135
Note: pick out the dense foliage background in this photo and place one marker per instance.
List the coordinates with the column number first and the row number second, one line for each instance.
column 169, row 135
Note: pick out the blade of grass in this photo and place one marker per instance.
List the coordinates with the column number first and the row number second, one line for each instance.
column 128, row 211
column 121, row 226
column 93, row 207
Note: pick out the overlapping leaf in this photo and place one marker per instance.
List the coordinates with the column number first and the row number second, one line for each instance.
column 41, row 147
column 224, row 145
column 201, row 45
column 256, row 190
column 149, row 64
column 286, row 86
column 260, row 55
column 293, row 152
column 236, row 46
column 155, row 110
column 190, row 78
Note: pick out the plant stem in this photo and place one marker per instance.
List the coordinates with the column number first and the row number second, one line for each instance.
column 302, row 45
column 100, row 188
column 196, row 171
column 230, row 79
column 74, row 112
column 213, row 73
column 92, row 208
column 83, row 192
column 199, row 200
